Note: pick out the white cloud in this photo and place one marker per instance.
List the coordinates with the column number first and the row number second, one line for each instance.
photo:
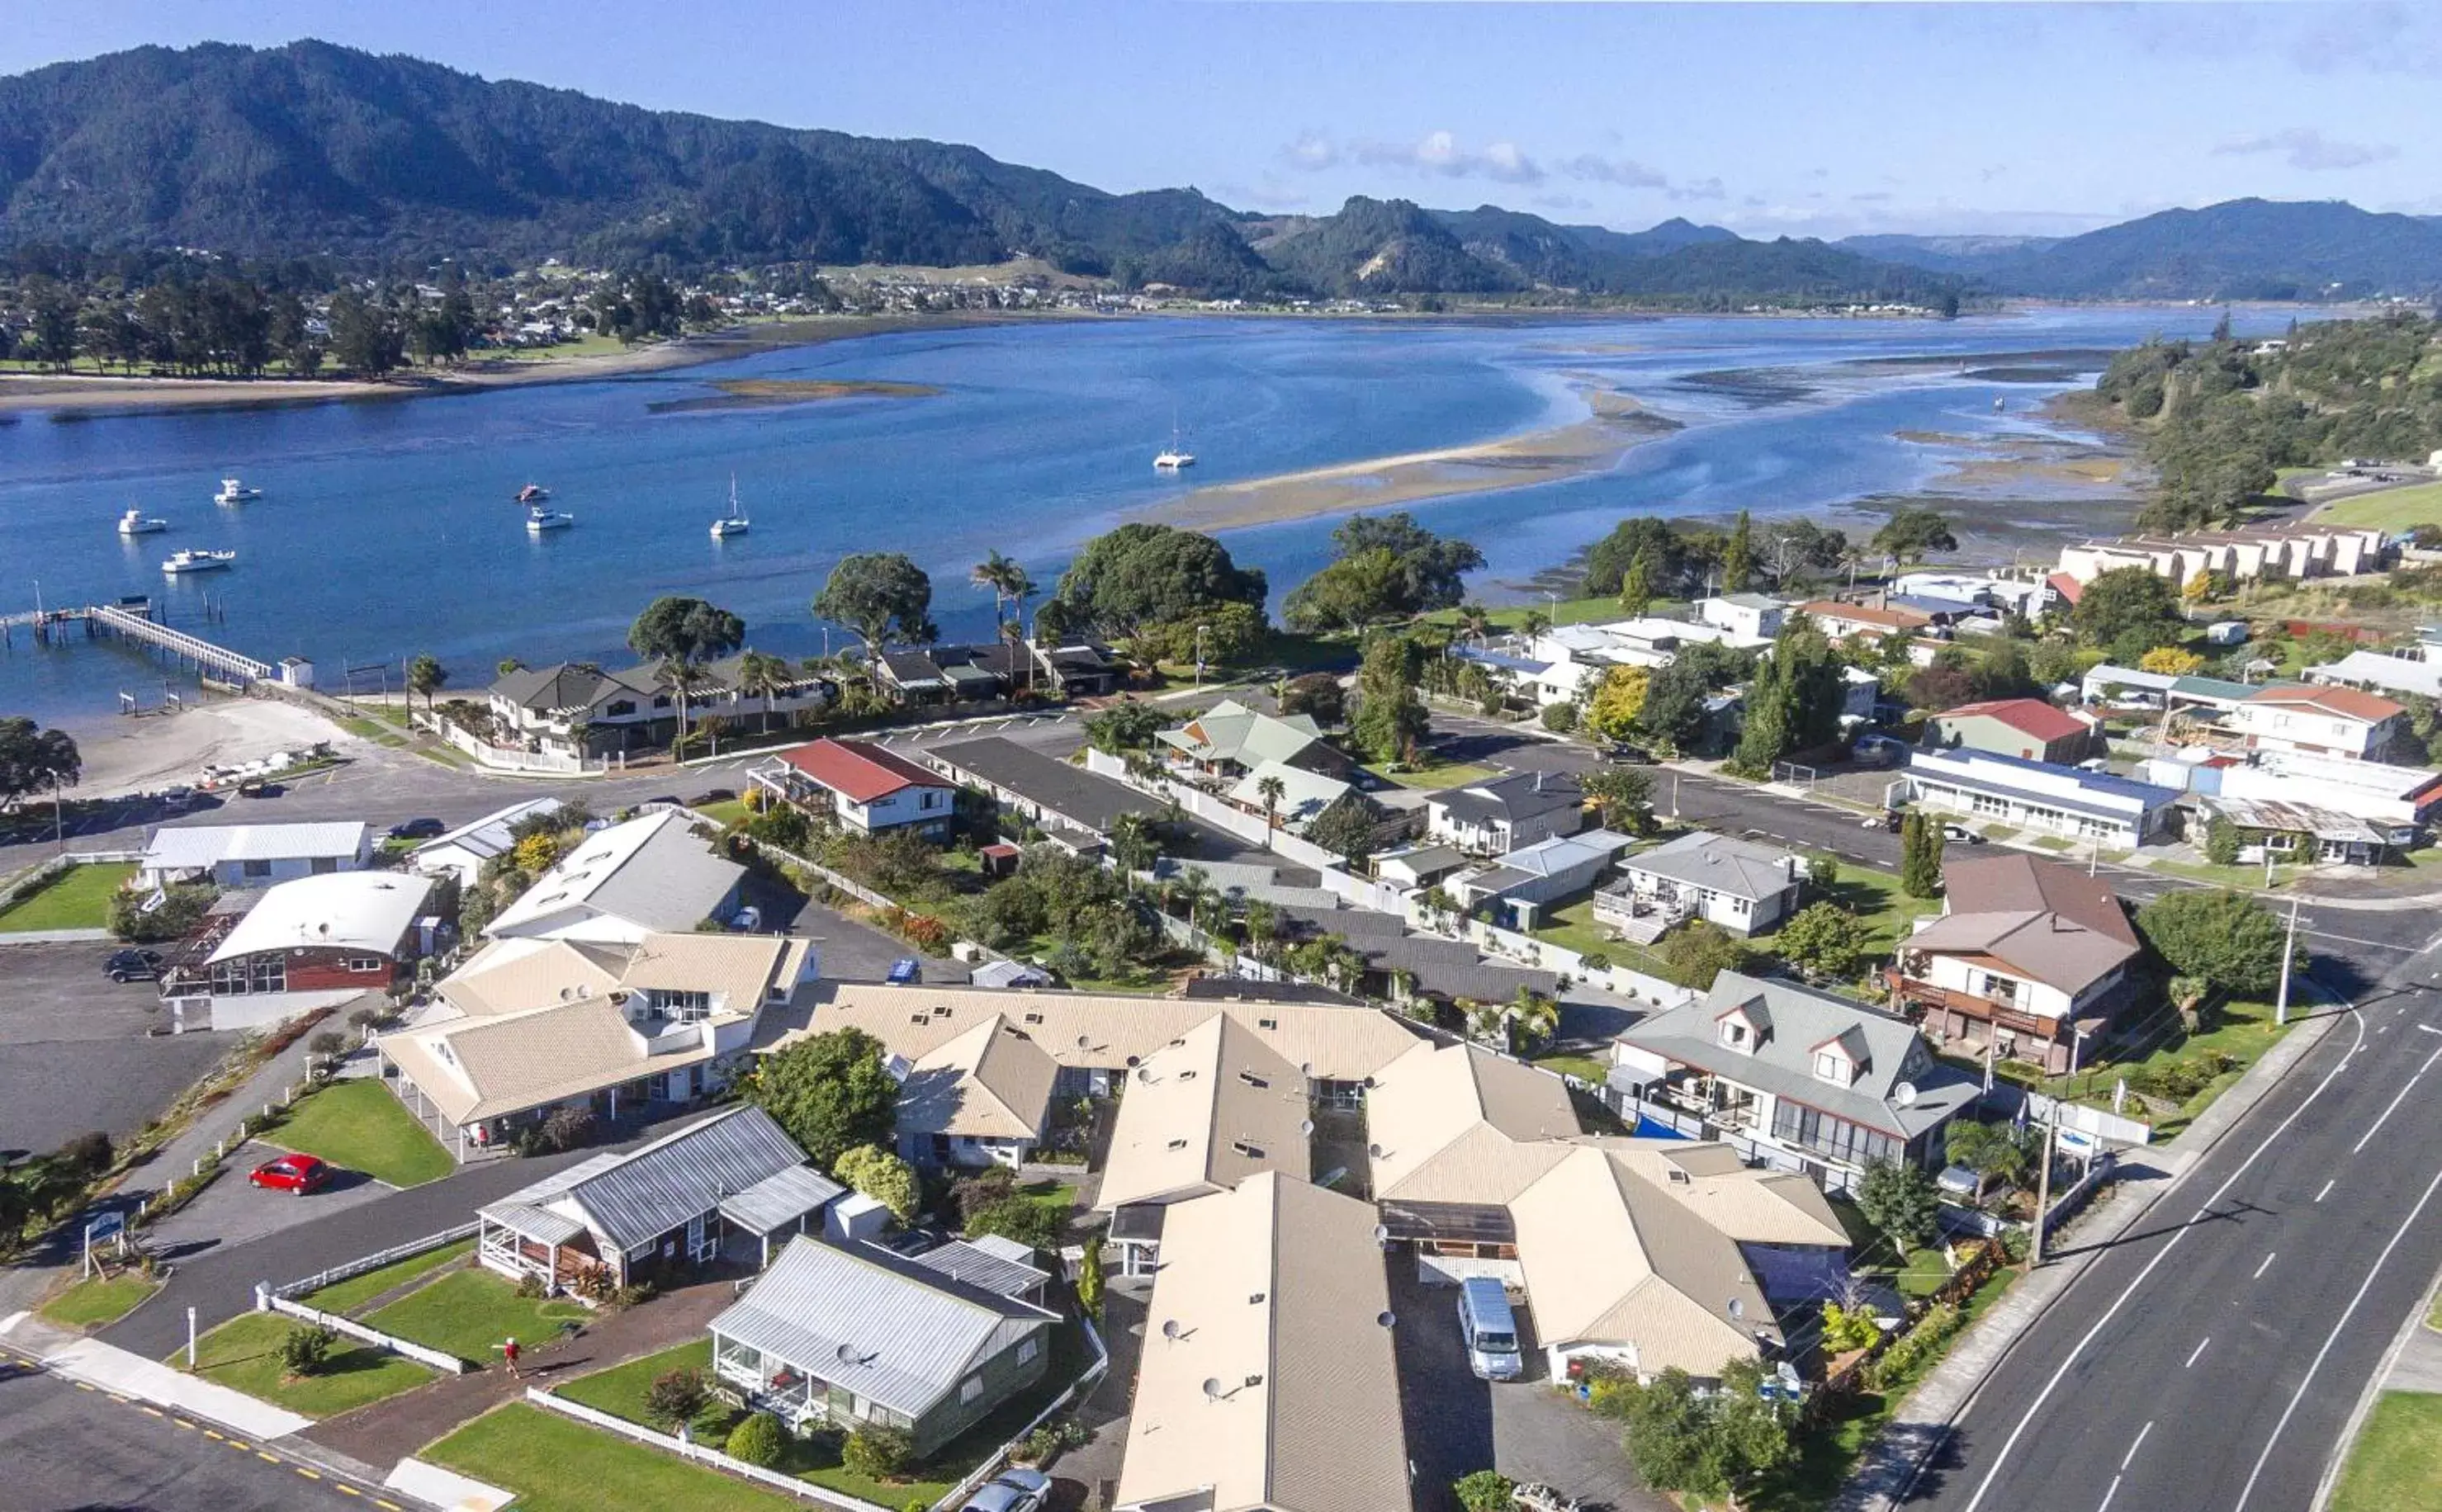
column 1439, row 153
column 1702, row 188
column 2309, row 149
column 1625, row 172
column 1312, row 151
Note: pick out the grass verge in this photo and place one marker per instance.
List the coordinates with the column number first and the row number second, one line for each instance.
column 243, row 1355
column 2389, row 509
column 557, row 1465
column 342, row 1296
column 2396, row 1460
column 78, row 898
column 470, row 1312
column 97, row 1303
column 358, row 1124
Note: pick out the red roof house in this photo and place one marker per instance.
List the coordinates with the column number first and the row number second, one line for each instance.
column 867, row 788
column 2027, row 728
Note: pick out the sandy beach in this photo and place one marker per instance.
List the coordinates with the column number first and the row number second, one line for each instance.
column 151, row 751
column 1616, row 424
column 83, row 394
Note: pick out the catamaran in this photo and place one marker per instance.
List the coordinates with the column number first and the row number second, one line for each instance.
column 233, row 491
column 540, row 518
column 1175, row 456
column 183, row 562
column 731, row 523
column 136, row 523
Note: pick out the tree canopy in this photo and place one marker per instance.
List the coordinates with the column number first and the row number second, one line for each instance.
column 1618, row 701
column 881, row 597
column 2224, row 939
column 2128, row 604
column 1384, row 568
column 1390, row 719
column 685, row 633
column 1142, row 579
column 35, row 760
column 831, row 1092
column 1912, row 532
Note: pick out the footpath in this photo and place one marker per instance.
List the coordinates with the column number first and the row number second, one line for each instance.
column 1917, row 1431
column 2414, row 1363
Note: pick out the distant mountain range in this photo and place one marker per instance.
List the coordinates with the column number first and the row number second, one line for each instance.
column 312, row 150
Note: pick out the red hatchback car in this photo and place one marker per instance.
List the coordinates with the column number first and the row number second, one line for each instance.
column 300, row 1173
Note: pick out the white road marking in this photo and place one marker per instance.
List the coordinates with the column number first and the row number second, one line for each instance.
column 2141, row 1438
column 2266, row 1266
column 2427, row 1028
column 2394, row 1104
column 2328, row 1190
column 2060, row 1373
column 2333, row 1337
column 2198, row 1353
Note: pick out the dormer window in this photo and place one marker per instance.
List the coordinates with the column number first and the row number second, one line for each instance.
column 1833, row 1067
column 1734, row 1034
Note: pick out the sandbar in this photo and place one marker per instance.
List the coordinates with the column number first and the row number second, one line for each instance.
column 758, row 394
column 1617, row 424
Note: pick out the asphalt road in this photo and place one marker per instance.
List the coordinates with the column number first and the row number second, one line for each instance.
column 74, row 1054
column 71, row 1450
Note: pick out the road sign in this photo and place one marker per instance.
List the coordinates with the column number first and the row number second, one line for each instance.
column 2077, row 1140
column 104, row 1225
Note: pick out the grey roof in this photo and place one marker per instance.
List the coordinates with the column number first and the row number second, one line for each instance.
column 780, row 1199
column 1737, row 868
column 1783, row 1064
column 201, row 846
column 489, row 836
column 962, row 1260
column 1515, row 798
column 1075, row 795
column 539, row 1224
column 885, row 1327
column 908, row 668
column 631, row 1199
column 652, row 871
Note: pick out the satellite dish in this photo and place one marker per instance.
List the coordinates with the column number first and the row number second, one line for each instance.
column 1169, row 1329
column 1373, row 1152
column 1213, row 1387
column 1085, row 1041
column 1381, row 1233
column 1903, row 1093
column 1738, row 1308
column 1305, row 1128
column 1386, row 1319
column 848, row 1354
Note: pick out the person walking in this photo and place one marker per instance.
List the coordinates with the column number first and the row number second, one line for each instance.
column 509, row 1352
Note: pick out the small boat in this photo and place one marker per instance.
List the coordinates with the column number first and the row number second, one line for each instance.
column 533, row 494
column 235, row 492
column 136, row 522
column 731, row 523
column 539, row 520
column 183, row 562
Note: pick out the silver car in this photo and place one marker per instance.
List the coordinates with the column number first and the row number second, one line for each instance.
column 1015, row 1489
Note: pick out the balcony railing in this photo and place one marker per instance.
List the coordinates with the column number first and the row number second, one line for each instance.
column 1907, row 992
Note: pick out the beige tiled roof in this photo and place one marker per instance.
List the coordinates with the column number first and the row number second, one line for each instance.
column 1204, row 1115
column 1278, row 1291
column 517, row 976
column 506, row 1064
column 1107, row 1031
column 991, row 1083
column 1751, row 1205
column 1450, row 1122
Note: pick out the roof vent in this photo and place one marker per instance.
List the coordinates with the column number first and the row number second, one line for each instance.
column 1177, row 1144
column 1249, row 1151
column 1253, row 1079
column 1681, row 1178
column 1253, row 1382
column 1188, row 1075
column 1255, row 1300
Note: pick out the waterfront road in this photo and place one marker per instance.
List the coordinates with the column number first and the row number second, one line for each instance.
column 2208, row 1359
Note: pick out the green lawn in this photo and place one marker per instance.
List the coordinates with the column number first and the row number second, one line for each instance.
column 2241, row 1031
column 1884, row 912
column 243, row 1355
column 1059, row 1196
column 78, row 898
column 2391, row 509
column 1435, row 775
column 344, row 1296
column 1584, row 1067
column 2396, row 1462
column 1573, row 927
column 361, row 1125
column 620, row 1391
column 727, row 811
column 556, row 1464
column 470, row 1312
column 93, row 1304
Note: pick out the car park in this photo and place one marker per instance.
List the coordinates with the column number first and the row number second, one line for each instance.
column 133, row 966
column 300, row 1173
column 417, row 830
column 1019, row 1488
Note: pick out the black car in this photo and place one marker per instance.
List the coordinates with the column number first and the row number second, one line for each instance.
column 716, row 796
column 133, row 966
column 257, row 789
column 417, row 830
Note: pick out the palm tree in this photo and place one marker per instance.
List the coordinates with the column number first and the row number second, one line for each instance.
column 764, row 677
column 1272, row 789
column 1474, row 622
column 993, row 571
column 1262, row 921
column 1534, row 624
column 1132, row 842
column 426, row 675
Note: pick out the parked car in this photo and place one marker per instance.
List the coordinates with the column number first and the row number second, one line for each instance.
column 133, row 966
column 1490, row 1330
column 1887, row 819
column 418, row 829
column 747, row 919
column 1959, row 834
column 1622, row 751
column 1019, row 1488
column 300, row 1173
column 257, row 788
column 177, row 797
column 715, row 795
column 906, row 972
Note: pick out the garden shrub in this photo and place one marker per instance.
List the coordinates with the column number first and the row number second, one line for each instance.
column 758, row 1441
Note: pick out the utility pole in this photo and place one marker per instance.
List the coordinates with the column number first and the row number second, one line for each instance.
column 1200, row 657
column 2288, row 954
column 2044, row 1186
column 1674, row 797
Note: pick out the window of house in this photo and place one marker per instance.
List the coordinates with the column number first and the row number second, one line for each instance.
column 621, row 709
column 1831, row 1067
column 364, row 965
column 255, row 868
column 1734, row 1034
column 1741, row 906
column 324, row 866
column 971, row 1388
column 1028, row 1348
column 660, row 701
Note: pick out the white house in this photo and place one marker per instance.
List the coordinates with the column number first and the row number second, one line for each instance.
column 254, row 855
column 462, row 851
column 2320, row 720
column 2038, row 795
column 1751, row 619
column 651, row 874
column 865, row 787
column 1735, row 884
column 312, row 941
column 1543, row 874
column 1501, row 814
column 2383, row 672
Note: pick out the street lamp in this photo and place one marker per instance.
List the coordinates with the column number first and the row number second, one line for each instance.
column 2288, row 954
column 1199, row 655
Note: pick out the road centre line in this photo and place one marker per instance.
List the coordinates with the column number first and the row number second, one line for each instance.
column 2095, row 1330
column 2111, row 1491
column 2266, row 1266
column 2140, row 1439
column 2394, row 1104
column 2333, row 1337
column 2328, row 1190
column 2193, row 1355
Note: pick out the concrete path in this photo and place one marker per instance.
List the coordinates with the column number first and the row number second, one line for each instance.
column 108, row 1369
column 388, row 1431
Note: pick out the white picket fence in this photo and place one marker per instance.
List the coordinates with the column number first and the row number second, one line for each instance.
column 688, row 1448
column 501, row 758
column 267, row 1300
column 376, row 1260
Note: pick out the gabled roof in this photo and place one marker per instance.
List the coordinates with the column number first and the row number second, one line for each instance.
column 1280, row 1294
column 1303, row 795
column 1202, row 1113
column 1230, row 731
column 196, row 847
column 2049, row 922
column 2032, row 717
column 2396, row 674
column 366, row 911
column 990, row 1082
column 892, row 1330
column 1887, row 619
column 2069, row 587
column 2366, row 708
column 629, row 1200
column 1735, row 868
column 489, row 836
column 652, row 873
column 1516, row 798
column 860, row 771
column 1458, row 1123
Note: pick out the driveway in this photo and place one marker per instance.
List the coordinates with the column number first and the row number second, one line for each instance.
column 1457, row 1424
column 233, row 1210
column 851, row 951
column 74, row 1054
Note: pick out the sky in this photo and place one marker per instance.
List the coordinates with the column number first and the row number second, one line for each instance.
column 1812, row 120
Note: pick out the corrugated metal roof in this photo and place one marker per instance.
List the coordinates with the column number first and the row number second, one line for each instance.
column 960, row 1260
column 780, row 1199
column 871, row 1322
column 539, row 1224
column 629, row 1200
column 196, row 846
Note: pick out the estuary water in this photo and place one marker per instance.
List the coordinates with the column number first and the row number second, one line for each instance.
column 386, row 527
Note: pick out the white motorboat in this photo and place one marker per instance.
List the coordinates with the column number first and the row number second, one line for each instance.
column 136, row 523
column 181, row 563
column 533, row 494
column 540, row 520
column 234, row 491
column 731, row 523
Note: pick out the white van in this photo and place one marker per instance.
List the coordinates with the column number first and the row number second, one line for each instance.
column 1490, row 1330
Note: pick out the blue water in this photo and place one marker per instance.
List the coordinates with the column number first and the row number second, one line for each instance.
column 386, row 528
